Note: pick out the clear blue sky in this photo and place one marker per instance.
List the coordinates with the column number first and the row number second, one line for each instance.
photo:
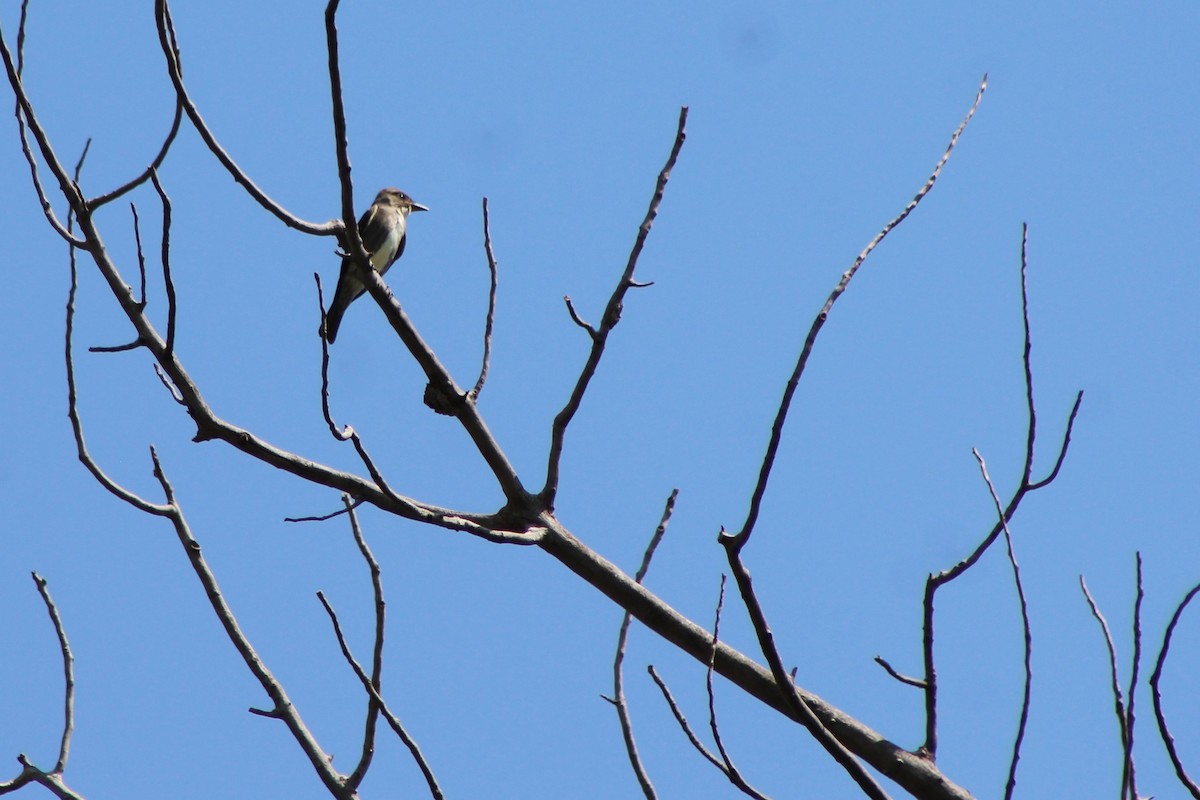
column 809, row 129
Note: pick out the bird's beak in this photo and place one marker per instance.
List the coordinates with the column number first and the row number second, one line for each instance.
column 418, row 207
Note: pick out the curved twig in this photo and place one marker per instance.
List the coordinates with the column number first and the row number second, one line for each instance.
column 789, row 391
column 170, row 47
column 618, row 698
column 1011, row 785
column 391, row 718
column 1156, row 695
column 491, row 312
column 612, row 314
column 1118, row 696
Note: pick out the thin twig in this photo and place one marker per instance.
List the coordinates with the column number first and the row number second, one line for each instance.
column 881, row 661
column 801, row 712
column 789, row 391
column 325, row 517
column 682, row 720
column 618, row 699
column 27, row 122
column 936, row 580
column 284, row 709
column 491, row 312
column 372, row 720
column 81, row 448
column 578, row 320
column 393, row 722
column 168, row 283
column 1156, row 695
column 1129, row 769
column 64, row 749
column 612, row 313
column 170, row 47
column 731, row 770
column 1011, row 785
column 141, row 256
column 1118, row 698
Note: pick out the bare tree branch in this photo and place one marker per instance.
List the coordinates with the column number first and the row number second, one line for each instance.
column 1155, row 693
column 1118, row 697
column 936, row 580
column 682, row 720
column 1011, row 785
column 168, row 284
column 170, row 47
column 64, row 749
column 731, row 771
column 141, row 256
column 789, row 391
column 612, row 314
column 368, row 749
column 493, row 270
column 783, row 684
column 881, row 661
column 27, row 122
column 392, row 721
column 618, row 699
column 284, row 709
column 1130, row 773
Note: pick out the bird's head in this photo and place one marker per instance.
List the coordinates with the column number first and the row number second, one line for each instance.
column 399, row 200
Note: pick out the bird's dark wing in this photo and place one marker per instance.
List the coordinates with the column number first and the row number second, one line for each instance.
column 375, row 226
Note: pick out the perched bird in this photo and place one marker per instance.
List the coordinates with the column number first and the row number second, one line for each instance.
column 382, row 230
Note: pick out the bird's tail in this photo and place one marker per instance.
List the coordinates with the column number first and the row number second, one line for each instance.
column 333, row 320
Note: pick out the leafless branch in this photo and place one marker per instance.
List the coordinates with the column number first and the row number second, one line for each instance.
column 491, row 312
column 392, row 721
column 881, row 661
column 1027, row 485
column 1011, row 785
column 325, row 517
column 81, row 448
column 801, row 712
column 682, row 720
column 166, row 263
column 612, row 313
column 27, row 122
column 170, row 47
column 372, row 720
column 1130, row 773
column 284, row 709
column 1155, row 693
column 141, row 255
column 731, row 771
column 618, row 699
column 789, row 391
column 578, row 320
column 107, row 197
column 64, row 749
column 1118, row 698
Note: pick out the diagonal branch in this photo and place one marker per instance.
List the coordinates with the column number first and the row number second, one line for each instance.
column 612, row 314
column 64, row 749
column 936, row 580
column 392, row 721
column 731, row 771
column 1156, row 695
column 1118, row 697
column 789, row 391
column 618, row 698
column 170, row 47
column 784, row 684
column 372, row 721
column 1011, row 786
column 27, row 122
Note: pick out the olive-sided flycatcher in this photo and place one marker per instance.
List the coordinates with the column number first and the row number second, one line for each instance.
column 382, row 229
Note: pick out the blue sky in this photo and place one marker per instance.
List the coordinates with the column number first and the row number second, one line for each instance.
column 810, row 127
